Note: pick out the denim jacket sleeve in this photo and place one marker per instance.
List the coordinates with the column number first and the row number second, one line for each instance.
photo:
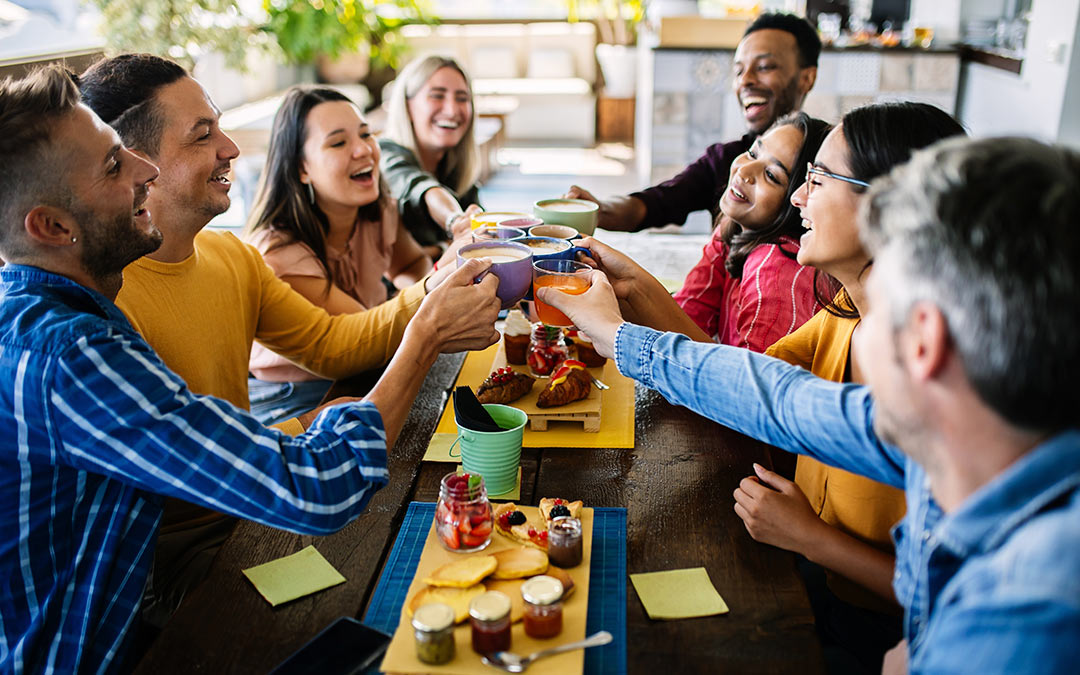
column 762, row 397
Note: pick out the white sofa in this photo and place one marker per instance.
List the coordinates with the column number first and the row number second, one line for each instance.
column 549, row 68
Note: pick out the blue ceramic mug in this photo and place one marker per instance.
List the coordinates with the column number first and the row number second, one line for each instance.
column 550, row 248
column 511, row 263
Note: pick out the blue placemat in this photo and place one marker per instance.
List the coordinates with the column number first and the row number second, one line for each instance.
column 607, row 582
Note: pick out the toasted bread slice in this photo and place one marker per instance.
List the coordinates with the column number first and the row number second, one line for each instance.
column 463, row 573
column 512, row 588
column 563, row 576
column 457, row 598
column 546, row 504
column 516, row 563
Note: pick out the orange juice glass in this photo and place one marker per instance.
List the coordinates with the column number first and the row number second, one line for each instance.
column 567, row 276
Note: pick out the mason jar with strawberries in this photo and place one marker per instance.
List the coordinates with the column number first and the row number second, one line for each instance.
column 463, row 515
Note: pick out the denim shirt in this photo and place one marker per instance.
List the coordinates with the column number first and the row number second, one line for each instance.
column 993, row 586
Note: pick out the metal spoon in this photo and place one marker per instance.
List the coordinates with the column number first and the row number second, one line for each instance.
column 512, row 663
column 599, row 385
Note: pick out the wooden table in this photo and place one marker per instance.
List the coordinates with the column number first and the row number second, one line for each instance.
column 676, row 484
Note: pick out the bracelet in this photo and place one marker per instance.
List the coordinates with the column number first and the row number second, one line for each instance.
column 450, row 221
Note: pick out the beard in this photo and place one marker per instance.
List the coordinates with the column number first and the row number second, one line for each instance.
column 111, row 244
column 786, row 102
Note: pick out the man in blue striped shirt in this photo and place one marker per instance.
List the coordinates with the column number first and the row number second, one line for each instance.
column 95, row 427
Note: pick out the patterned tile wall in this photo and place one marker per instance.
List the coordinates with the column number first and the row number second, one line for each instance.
column 693, row 106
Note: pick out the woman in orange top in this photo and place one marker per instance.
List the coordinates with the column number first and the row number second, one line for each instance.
column 836, row 519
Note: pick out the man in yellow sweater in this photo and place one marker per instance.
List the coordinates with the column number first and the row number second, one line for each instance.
column 204, row 296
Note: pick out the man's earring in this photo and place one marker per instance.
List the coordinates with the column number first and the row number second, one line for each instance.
column 74, row 239
column 310, row 193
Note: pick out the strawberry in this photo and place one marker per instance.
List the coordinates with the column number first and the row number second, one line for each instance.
column 480, row 517
column 472, row 540
column 464, row 526
column 452, row 538
column 482, row 530
column 504, row 521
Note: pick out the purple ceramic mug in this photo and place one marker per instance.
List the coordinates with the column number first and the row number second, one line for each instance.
column 511, row 263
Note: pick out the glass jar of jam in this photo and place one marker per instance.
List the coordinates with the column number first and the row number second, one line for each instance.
column 433, row 625
column 543, row 606
column 463, row 518
column 564, row 542
column 547, row 349
column 489, row 614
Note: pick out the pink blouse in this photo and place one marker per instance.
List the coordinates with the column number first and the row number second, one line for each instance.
column 358, row 271
column 774, row 296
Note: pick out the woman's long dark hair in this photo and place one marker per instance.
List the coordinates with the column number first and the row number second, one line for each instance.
column 879, row 137
column 282, row 201
column 788, row 221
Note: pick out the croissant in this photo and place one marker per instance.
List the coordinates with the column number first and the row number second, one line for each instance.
column 504, row 386
column 568, row 384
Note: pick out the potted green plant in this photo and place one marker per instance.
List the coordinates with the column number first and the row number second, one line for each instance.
column 616, row 22
column 347, row 37
column 181, row 29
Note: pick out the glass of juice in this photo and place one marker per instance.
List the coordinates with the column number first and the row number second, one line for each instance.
column 568, row 276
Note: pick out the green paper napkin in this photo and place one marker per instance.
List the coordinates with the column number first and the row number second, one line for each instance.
column 678, row 594
column 293, row 576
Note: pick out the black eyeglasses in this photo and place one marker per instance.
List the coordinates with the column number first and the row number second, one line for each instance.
column 813, row 170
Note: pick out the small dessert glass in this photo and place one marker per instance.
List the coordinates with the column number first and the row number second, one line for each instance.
column 463, row 518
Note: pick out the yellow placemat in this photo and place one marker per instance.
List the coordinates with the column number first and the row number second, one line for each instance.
column 293, row 576
column 678, row 594
column 616, row 417
column 401, row 655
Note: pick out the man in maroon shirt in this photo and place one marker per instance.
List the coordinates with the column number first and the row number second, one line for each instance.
column 774, row 68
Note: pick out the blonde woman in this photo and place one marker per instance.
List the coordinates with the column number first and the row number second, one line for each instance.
column 429, row 155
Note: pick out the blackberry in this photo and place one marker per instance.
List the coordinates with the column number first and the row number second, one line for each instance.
column 559, row 511
column 516, row 518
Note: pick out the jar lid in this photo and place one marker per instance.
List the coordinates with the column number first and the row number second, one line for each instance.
column 433, row 617
column 565, row 525
column 489, row 606
column 542, row 590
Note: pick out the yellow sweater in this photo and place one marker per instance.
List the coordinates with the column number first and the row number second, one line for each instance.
column 855, row 505
column 201, row 316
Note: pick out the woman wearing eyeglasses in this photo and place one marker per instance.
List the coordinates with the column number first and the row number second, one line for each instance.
column 838, row 521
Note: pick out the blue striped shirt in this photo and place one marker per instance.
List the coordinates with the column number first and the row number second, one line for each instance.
column 93, row 429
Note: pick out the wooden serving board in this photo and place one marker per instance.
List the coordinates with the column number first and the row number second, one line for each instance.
column 587, row 410
column 401, row 655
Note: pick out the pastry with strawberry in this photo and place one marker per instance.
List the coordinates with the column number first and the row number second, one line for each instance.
column 513, row 524
column 504, row 386
column 569, row 383
column 552, row 508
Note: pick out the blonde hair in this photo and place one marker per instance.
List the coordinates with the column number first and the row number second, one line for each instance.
column 462, row 162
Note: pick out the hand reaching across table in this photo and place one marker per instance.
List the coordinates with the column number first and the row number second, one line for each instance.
column 595, row 312
column 460, row 315
column 642, row 298
column 620, row 213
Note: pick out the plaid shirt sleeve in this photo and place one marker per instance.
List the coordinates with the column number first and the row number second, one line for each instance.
column 115, row 409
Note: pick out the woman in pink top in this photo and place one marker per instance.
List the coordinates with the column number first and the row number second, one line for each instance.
column 324, row 222
column 747, row 290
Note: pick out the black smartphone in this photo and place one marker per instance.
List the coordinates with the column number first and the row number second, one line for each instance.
column 345, row 647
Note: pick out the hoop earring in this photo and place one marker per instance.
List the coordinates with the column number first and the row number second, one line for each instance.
column 310, row 193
